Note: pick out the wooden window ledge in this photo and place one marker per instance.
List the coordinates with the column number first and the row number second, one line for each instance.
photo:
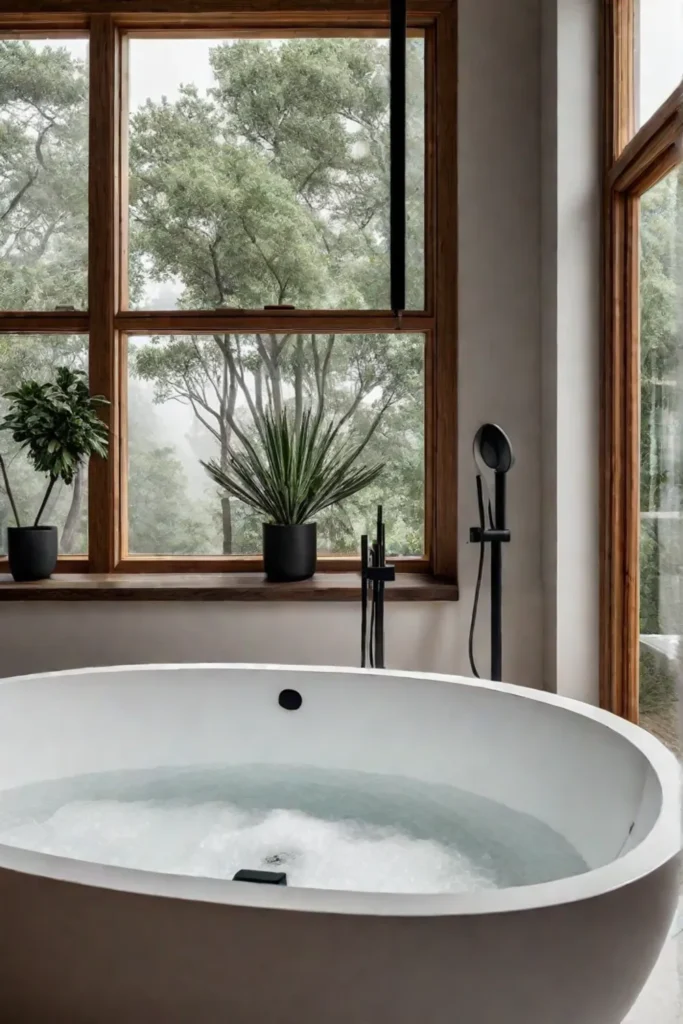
column 218, row 587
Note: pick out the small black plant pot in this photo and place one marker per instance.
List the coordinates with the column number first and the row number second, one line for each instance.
column 289, row 552
column 32, row 552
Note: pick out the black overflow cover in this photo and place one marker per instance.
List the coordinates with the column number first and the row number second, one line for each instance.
column 290, row 700
column 262, row 877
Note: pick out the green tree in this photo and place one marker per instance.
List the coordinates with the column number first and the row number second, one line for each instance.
column 162, row 515
column 43, row 237
column 270, row 187
column 661, row 477
column 43, row 264
column 273, row 188
column 43, row 177
column 226, row 379
column 157, row 480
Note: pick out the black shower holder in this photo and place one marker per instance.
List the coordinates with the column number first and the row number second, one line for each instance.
column 479, row 536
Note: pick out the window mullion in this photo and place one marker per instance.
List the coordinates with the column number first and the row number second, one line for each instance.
column 103, row 284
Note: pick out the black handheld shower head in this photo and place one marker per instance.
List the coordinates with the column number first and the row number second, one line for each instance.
column 492, row 448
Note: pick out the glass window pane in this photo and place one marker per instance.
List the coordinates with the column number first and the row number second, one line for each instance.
column 259, row 173
column 659, row 55
column 37, row 357
column 661, row 479
column 190, row 397
column 43, row 173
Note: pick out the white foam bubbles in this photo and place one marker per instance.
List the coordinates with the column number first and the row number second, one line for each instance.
column 216, row 840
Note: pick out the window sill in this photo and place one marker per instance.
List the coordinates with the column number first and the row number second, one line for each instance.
column 218, row 587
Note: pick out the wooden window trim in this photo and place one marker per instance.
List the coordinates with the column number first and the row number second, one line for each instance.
column 109, row 323
column 634, row 163
column 56, row 14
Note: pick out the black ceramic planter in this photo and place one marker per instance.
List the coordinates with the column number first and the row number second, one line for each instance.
column 289, row 552
column 32, row 552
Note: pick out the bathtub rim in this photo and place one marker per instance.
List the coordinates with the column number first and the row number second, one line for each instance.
column 661, row 844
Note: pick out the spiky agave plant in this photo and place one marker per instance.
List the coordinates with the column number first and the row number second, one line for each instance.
column 292, row 472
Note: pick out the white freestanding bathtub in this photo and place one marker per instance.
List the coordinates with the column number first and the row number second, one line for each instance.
column 86, row 941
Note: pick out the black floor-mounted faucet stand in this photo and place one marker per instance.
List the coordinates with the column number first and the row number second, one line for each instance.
column 375, row 573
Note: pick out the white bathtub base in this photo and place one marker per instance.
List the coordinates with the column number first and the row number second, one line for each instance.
column 82, row 942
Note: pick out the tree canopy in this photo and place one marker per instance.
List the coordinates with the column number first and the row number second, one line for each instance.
column 43, row 177
column 268, row 187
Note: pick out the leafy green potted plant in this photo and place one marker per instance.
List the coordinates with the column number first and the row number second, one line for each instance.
column 58, row 426
column 291, row 473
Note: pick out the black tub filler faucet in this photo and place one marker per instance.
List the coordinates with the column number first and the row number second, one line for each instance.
column 374, row 574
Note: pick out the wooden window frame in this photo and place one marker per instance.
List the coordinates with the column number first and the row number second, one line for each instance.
column 633, row 163
column 108, row 322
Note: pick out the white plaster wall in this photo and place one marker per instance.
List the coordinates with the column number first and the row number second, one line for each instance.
column 49, row 636
column 500, row 357
column 548, row 309
column 499, row 271
column 570, row 331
